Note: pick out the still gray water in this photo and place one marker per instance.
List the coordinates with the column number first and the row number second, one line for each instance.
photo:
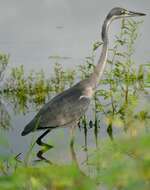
column 33, row 30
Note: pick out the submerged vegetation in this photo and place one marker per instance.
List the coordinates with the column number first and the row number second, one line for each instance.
column 121, row 101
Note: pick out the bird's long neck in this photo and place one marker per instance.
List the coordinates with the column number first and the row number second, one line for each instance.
column 99, row 68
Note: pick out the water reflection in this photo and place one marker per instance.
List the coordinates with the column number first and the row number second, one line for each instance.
column 4, row 116
column 48, row 147
column 72, row 151
column 84, row 127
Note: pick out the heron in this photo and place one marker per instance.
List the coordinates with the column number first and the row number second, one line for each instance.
column 66, row 108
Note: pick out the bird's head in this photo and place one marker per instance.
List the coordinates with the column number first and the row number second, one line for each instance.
column 118, row 12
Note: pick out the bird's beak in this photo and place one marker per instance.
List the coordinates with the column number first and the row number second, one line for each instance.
column 133, row 14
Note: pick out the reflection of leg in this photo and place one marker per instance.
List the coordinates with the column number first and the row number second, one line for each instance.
column 41, row 157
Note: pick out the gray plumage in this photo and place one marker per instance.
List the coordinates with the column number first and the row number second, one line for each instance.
column 63, row 109
column 68, row 106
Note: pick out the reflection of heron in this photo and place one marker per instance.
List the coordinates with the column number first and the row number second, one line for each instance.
column 67, row 107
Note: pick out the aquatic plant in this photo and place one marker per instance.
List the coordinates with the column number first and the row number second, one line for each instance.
column 4, row 115
column 123, row 163
column 4, row 59
column 123, row 81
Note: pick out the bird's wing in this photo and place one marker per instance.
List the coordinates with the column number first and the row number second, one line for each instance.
column 65, row 108
column 62, row 110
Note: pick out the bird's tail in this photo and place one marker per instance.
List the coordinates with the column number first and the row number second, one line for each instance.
column 32, row 126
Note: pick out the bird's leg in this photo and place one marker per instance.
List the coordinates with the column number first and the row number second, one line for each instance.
column 110, row 131
column 96, row 132
column 73, row 154
column 72, row 136
column 40, row 142
column 74, row 159
column 85, row 137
